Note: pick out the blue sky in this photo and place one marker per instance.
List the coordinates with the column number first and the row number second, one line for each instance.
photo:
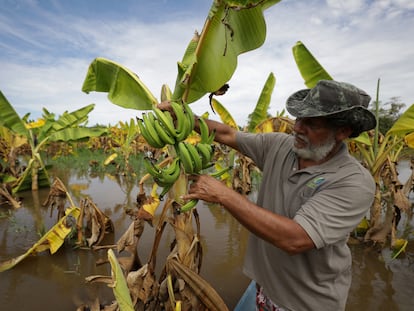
column 46, row 47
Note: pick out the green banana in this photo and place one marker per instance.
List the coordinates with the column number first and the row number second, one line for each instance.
column 189, row 205
column 182, row 125
column 206, row 153
column 198, row 165
column 211, row 137
column 185, row 157
column 170, row 174
column 163, row 133
column 165, row 190
column 204, row 131
column 190, row 117
column 149, row 120
column 151, row 168
column 166, row 120
column 219, row 173
column 147, row 136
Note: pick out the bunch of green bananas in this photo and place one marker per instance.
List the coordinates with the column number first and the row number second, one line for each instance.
column 159, row 129
column 164, row 176
column 197, row 157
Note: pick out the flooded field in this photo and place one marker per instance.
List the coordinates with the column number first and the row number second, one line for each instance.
column 46, row 282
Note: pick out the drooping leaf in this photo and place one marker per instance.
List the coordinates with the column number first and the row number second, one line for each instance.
column 10, row 119
column 211, row 58
column 310, row 69
column 202, row 289
column 124, row 87
column 261, row 110
column 120, row 287
column 52, row 240
column 70, row 119
column 224, row 114
column 76, row 133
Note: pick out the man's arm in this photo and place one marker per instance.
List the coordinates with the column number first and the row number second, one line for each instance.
column 278, row 230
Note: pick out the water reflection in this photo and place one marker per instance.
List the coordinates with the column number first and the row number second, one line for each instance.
column 57, row 282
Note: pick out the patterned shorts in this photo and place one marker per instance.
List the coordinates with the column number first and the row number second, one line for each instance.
column 263, row 303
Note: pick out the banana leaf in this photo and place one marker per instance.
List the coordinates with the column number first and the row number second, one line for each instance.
column 73, row 118
column 231, row 28
column 260, row 112
column 120, row 287
column 124, row 87
column 10, row 119
column 76, row 133
column 202, row 289
column 68, row 120
column 52, row 240
column 404, row 125
column 310, row 69
column 363, row 138
column 409, row 140
column 224, row 114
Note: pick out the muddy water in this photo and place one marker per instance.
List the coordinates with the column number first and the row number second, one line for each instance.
column 46, row 282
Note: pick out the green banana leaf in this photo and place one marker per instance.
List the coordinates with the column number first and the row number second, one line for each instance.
column 231, row 28
column 224, row 114
column 310, row 69
column 363, row 138
column 404, row 125
column 73, row 118
column 124, row 87
column 10, row 119
column 261, row 110
column 120, row 286
column 66, row 120
column 76, row 133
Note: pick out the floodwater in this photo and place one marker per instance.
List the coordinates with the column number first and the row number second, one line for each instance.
column 57, row 282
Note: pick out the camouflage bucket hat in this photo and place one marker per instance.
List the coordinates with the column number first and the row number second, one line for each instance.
column 331, row 98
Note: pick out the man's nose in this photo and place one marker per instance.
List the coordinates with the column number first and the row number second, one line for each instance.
column 299, row 126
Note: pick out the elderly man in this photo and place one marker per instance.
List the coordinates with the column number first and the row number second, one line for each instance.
column 312, row 195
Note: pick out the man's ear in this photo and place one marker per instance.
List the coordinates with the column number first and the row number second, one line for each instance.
column 343, row 133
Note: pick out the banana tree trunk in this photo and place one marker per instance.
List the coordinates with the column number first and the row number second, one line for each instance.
column 35, row 175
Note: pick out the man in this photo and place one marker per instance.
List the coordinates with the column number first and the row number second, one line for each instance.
column 312, row 195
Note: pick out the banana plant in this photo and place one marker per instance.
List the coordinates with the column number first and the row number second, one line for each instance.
column 379, row 154
column 123, row 137
column 209, row 61
column 260, row 112
column 66, row 128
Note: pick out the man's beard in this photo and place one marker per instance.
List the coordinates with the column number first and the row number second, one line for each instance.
column 314, row 152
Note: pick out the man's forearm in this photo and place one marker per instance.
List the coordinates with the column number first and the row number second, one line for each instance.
column 280, row 231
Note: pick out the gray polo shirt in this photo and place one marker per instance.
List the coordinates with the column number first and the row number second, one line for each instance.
column 328, row 201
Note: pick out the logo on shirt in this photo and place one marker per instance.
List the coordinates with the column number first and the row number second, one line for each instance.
column 316, row 182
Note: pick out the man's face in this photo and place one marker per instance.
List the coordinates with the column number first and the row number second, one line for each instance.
column 314, row 139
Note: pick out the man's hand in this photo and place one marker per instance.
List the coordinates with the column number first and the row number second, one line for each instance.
column 206, row 188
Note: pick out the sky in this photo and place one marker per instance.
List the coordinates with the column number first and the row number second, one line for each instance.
column 46, row 47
